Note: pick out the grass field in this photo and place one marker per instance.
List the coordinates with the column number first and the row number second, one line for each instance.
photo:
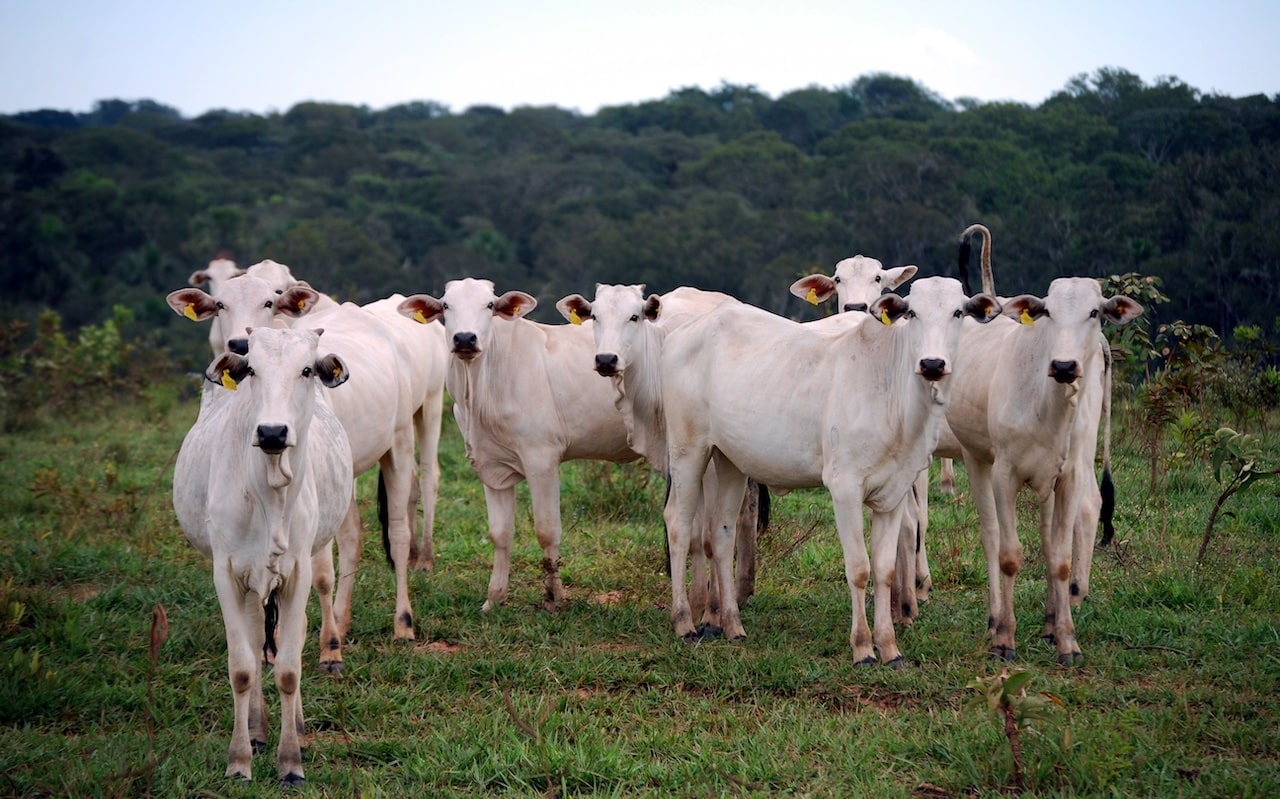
column 1179, row 694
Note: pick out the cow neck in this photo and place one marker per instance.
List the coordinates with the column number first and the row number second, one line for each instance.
column 1056, row 404
column 640, row 398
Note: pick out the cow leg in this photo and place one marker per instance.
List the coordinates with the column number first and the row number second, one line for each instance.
column 544, row 496
column 397, row 475
column 330, row 639
column 1004, row 490
column 886, row 532
column 422, row 555
column 857, row 571
column 923, row 579
column 744, row 560
column 1058, row 516
column 348, row 538
column 704, row 587
column 501, row 504
column 946, row 476
column 683, row 500
column 292, row 604
column 731, row 485
column 244, row 670
column 980, row 486
column 1084, row 536
column 902, row 597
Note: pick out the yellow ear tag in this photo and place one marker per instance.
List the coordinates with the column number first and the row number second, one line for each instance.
column 228, row 382
column 302, row 303
column 419, row 318
column 515, row 310
column 337, row 372
column 812, row 297
column 574, row 319
column 190, row 312
column 1025, row 318
column 884, row 317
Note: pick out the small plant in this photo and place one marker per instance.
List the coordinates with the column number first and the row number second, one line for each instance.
column 1005, row 694
column 1236, row 466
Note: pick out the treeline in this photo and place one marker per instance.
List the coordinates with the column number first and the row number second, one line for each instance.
column 727, row 189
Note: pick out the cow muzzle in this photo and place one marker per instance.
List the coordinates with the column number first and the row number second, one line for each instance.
column 466, row 346
column 1064, row 371
column 606, row 364
column 239, row 346
column 933, row 369
column 272, row 438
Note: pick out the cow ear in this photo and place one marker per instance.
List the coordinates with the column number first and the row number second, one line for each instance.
column 194, row 304
column 332, row 370
column 575, row 307
column 652, row 307
column 1121, row 310
column 421, row 308
column 199, row 277
column 297, row 300
column 889, row 308
column 898, row 275
column 982, row 307
column 228, row 370
column 514, row 304
column 1025, row 308
column 814, row 289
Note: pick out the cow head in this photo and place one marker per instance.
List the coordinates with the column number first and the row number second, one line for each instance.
column 280, row 371
column 857, row 282
column 935, row 308
column 467, row 309
column 243, row 302
column 215, row 274
column 618, row 314
column 1067, row 322
column 278, row 276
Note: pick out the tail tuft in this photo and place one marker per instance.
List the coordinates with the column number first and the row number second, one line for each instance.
column 1108, row 507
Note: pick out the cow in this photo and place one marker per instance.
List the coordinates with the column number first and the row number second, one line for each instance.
column 214, row 277
column 1025, row 409
column 261, row 484
column 629, row 328
column 398, row 374
column 525, row 400
column 848, row 403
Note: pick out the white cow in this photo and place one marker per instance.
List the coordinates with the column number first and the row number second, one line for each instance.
column 211, row 278
column 854, row 406
column 261, row 483
column 526, row 401
column 629, row 329
column 396, row 393
column 1025, row 409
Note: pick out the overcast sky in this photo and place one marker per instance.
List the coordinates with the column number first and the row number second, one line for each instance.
column 263, row 56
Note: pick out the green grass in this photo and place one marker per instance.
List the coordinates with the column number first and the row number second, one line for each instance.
column 1177, row 697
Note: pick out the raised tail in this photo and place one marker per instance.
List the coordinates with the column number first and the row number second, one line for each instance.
column 988, row 280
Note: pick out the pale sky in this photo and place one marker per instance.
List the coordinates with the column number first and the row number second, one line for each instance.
column 264, row 56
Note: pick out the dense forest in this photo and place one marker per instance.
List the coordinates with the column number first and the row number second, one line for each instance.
column 726, row 189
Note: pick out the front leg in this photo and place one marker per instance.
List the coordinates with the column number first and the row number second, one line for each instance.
column 684, row 499
column 397, row 477
column 291, row 601
column 886, row 532
column 501, row 503
column 244, row 669
column 544, row 496
column 857, row 571
column 324, row 582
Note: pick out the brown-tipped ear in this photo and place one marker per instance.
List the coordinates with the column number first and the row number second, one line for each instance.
column 194, row 304
column 1121, row 310
column 899, row 275
column 228, row 370
column 421, row 308
column 332, row 370
column 199, row 278
column 652, row 307
column 575, row 308
column 814, row 289
column 982, row 307
column 514, row 304
column 297, row 300
column 1026, row 308
column 889, row 308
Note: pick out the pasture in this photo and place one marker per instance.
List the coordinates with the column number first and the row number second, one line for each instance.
column 1179, row 694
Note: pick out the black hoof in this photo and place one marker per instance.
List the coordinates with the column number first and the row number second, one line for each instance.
column 258, row 746
column 1004, row 653
column 869, row 660
column 897, row 664
column 238, row 777
column 1049, row 638
column 333, row 667
column 292, row 780
column 691, row 638
column 1071, row 659
column 706, row 631
column 737, row 639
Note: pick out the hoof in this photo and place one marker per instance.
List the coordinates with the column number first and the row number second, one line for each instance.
column 333, row 667
column 292, row 780
column 738, row 639
column 240, row 776
column 1004, row 653
column 1071, row 659
column 897, row 664
column 869, row 660
column 691, row 637
column 258, row 747
column 706, row 631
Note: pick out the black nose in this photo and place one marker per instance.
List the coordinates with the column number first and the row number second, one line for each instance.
column 606, row 363
column 855, row 306
column 272, row 437
column 933, row 368
column 466, row 342
column 240, row 346
column 1063, row 371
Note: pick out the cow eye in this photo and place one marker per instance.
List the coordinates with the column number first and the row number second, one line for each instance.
column 959, row 313
column 911, row 314
column 279, row 291
column 877, row 278
column 306, row 371
column 266, row 304
column 1093, row 314
column 221, row 307
column 835, row 279
column 635, row 317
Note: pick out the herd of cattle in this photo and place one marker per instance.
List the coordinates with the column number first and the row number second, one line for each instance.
column 304, row 394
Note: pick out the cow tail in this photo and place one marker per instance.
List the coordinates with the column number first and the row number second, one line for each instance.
column 762, row 511
column 988, row 280
column 666, row 537
column 963, row 262
column 270, row 620
column 1108, row 487
column 384, row 519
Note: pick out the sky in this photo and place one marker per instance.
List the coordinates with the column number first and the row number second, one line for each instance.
column 265, row 56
